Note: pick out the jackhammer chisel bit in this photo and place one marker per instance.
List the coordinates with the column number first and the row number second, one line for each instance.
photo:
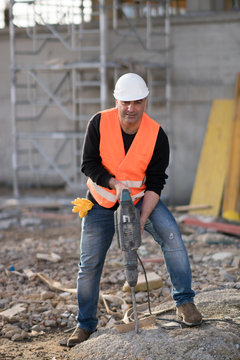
column 128, row 230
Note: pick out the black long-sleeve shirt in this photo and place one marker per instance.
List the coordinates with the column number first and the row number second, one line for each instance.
column 92, row 164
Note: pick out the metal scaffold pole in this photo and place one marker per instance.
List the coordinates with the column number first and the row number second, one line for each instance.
column 168, row 98
column 103, row 68
column 13, row 102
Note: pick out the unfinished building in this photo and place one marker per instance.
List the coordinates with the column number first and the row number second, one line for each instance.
column 66, row 58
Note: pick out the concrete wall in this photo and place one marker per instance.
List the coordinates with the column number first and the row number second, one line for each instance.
column 205, row 60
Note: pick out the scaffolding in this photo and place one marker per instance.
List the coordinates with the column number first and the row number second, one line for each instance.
column 65, row 60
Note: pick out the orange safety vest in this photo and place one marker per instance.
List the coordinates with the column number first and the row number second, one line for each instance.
column 128, row 168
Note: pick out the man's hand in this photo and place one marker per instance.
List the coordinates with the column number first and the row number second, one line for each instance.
column 118, row 186
column 150, row 201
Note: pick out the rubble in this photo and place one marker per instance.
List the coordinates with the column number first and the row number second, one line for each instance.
column 153, row 279
column 11, row 313
column 38, row 273
column 216, row 339
column 49, row 257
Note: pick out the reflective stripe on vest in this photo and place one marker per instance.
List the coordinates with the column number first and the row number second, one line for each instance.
column 128, row 168
column 108, row 195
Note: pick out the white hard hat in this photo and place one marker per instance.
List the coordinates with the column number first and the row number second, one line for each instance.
column 130, row 87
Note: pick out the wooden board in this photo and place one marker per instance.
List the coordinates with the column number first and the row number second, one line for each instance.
column 221, row 227
column 148, row 321
column 213, row 164
column 231, row 202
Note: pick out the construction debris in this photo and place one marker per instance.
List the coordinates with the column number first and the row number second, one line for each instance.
column 213, row 164
column 231, row 209
column 38, row 292
column 217, row 181
column 219, row 226
column 154, row 282
column 49, row 257
column 13, row 311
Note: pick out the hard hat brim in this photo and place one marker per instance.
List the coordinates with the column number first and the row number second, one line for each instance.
column 130, row 98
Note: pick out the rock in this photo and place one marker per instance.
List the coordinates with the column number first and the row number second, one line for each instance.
column 140, row 297
column 71, row 322
column 14, row 333
column 50, row 323
column 154, row 282
column 36, row 318
column 9, row 334
column 34, row 333
column 225, row 276
column 47, row 313
column 64, row 294
column 121, row 276
column 10, row 313
column 63, row 341
column 29, row 273
column 221, row 256
column 213, row 238
column 237, row 285
column 165, row 291
column 65, row 315
column 197, row 258
column 20, row 336
column 171, row 325
column 236, row 262
column 30, row 221
column 3, row 303
column 143, row 251
column 72, row 308
column 113, row 279
column 6, row 224
column 37, row 328
column 47, row 295
column 49, row 257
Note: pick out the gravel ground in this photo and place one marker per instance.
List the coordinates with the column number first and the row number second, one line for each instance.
column 215, row 339
column 47, row 316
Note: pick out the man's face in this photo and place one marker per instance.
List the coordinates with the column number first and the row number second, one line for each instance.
column 131, row 111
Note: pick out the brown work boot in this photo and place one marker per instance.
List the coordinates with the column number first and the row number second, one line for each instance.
column 189, row 314
column 79, row 335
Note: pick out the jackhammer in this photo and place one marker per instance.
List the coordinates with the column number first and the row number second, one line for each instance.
column 127, row 226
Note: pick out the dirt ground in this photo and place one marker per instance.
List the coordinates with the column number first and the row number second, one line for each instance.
column 44, row 346
column 216, row 281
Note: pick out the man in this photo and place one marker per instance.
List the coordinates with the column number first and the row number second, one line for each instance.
column 125, row 149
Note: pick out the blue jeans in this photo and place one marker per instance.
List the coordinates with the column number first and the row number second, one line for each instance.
column 96, row 237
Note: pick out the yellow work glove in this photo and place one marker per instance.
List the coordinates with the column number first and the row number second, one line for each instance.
column 82, row 206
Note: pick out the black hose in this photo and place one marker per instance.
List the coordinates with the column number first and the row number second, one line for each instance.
column 148, row 294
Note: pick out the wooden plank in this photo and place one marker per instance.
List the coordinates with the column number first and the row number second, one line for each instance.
column 184, row 208
column 148, row 321
column 212, row 167
column 222, row 227
column 231, row 200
